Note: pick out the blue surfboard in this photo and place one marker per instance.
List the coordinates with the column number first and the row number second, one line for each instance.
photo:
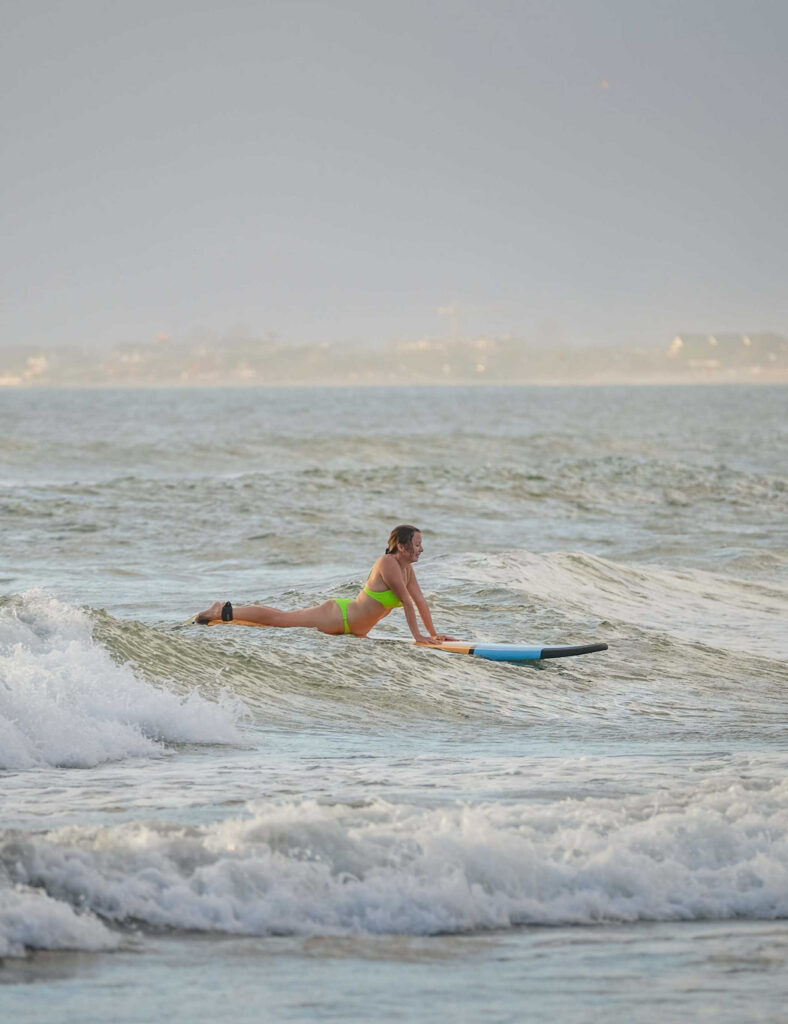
column 514, row 652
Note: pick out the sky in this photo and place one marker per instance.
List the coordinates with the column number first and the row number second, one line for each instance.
column 569, row 172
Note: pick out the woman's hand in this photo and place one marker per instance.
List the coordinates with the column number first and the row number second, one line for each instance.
column 441, row 638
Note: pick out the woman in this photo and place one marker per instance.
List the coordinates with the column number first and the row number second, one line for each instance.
column 391, row 584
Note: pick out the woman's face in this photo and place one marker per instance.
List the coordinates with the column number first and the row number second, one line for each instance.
column 414, row 549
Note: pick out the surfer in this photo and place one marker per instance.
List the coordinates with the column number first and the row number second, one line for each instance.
column 391, row 584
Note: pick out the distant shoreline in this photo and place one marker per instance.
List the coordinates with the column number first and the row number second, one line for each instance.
column 759, row 381
column 503, row 362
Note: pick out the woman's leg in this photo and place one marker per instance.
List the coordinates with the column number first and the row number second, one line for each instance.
column 327, row 617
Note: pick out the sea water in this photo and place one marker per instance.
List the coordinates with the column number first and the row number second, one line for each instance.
column 238, row 824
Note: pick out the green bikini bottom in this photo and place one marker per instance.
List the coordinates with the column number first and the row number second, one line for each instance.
column 343, row 602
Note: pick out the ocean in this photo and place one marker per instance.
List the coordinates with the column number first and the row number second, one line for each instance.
column 234, row 824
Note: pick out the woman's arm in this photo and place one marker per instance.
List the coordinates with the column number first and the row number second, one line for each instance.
column 424, row 610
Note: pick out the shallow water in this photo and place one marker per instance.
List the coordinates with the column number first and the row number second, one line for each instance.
column 215, row 821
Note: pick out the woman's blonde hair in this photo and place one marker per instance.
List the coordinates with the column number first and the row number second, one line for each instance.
column 400, row 537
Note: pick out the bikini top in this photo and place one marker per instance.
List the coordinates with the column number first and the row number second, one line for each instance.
column 386, row 597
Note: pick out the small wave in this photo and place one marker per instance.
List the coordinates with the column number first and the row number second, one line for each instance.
column 295, row 676
column 712, row 852
column 65, row 702
column 689, row 605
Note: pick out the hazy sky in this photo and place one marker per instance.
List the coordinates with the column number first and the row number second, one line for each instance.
column 586, row 170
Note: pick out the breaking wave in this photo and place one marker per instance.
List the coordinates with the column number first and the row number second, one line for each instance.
column 713, row 852
column 64, row 701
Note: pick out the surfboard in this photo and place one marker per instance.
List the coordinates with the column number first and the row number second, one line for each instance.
column 514, row 652
column 491, row 652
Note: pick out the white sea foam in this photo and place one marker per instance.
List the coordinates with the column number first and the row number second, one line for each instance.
column 64, row 701
column 30, row 919
column 711, row 852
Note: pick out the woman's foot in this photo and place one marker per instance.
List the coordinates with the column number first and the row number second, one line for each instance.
column 219, row 611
